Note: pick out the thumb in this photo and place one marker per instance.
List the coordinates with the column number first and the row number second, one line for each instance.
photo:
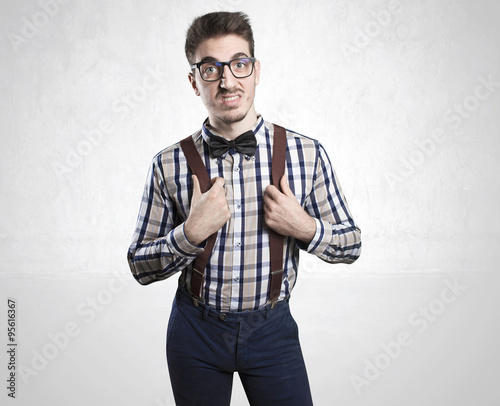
column 196, row 187
column 285, row 188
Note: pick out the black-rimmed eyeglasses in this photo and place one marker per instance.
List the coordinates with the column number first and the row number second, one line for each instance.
column 212, row 70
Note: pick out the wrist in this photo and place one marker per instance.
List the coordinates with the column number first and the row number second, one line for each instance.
column 193, row 237
column 308, row 231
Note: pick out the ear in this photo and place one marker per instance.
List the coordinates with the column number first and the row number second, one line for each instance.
column 192, row 80
column 257, row 72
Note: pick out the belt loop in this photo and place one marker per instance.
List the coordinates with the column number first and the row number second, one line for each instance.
column 205, row 312
column 266, row 312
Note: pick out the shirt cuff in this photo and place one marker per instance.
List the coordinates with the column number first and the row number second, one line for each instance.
column 321, row 239
column 181, row 245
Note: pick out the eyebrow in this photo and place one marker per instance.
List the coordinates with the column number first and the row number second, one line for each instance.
column 212, row 59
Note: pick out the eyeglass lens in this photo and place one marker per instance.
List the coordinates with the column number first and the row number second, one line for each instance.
column 240, row 68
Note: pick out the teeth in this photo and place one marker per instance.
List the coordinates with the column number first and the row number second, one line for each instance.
column 230, row 98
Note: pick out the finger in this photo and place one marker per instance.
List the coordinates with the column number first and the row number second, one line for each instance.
column 272, row 191
column 270, row 206
column 285, row 187
column 267, row 201
column 196, row 186
column 218, row 182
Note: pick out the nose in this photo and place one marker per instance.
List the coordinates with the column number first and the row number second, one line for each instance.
column 227, row 80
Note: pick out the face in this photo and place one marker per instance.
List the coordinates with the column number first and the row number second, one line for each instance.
column 228, row 100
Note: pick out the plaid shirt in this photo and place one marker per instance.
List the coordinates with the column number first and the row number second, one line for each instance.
column 237, row 275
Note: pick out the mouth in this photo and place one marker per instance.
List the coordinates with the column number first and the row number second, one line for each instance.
column 230, row 100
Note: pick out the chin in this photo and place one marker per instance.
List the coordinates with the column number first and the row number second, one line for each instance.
column 232, row 118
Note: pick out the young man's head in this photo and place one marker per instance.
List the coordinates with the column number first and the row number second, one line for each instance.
column 218, row 24
column 227, row 89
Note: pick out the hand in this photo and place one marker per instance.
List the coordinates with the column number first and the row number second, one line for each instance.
column 209, row 211
column 284, row 214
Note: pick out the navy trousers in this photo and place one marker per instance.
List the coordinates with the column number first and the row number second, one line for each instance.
column 205, row 348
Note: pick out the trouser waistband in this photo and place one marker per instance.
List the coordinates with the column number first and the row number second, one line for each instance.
column 209, row 312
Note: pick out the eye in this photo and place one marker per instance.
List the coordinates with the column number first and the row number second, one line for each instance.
column 209, row 69
column 241, row 63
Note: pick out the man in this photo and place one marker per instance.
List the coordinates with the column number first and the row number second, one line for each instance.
column 234, row 324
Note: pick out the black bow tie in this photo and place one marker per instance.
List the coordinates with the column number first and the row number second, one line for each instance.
column 245, row 144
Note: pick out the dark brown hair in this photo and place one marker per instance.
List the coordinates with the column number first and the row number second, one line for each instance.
column 217, row 24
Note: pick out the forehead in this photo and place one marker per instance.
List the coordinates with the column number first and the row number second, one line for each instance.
column 222, row 48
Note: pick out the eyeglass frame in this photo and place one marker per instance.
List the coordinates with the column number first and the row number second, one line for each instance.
column 228, row 63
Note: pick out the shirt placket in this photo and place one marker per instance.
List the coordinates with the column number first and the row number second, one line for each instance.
column 238, row 234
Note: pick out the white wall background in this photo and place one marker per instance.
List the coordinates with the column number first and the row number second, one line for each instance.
column 403, row 95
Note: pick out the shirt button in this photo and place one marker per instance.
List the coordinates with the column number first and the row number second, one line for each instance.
column 237, row 279
column 237, row 169
column 238, row 206
column 238, row 244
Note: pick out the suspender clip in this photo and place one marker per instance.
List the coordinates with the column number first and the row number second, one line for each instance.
column 202, row 274
column 195, row 301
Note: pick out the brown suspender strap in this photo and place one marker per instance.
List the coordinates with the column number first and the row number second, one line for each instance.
column 199, row 169
column 275, row 239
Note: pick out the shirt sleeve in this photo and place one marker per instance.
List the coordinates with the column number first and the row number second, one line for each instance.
column 337, row 238
column 159, row 246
